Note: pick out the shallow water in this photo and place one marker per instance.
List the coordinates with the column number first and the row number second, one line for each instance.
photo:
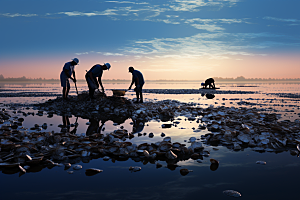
column 237, row 170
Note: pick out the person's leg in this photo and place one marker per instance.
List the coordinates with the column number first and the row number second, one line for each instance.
column 141, row 94
column 64, row 92
column 63, row 82
column 137, row 96
column 91, row 89
column 67, row 92
column 68, row 89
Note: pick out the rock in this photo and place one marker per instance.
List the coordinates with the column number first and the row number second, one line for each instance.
column 170, row 155
column 135, row 169
column 261, row 162
column 214, row 161
column 232, row 193
column 106, row 158
column 151, row 135
column 77, row 167
column 167, row 139
column 184, row 171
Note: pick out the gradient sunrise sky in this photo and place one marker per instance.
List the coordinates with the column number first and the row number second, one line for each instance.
column 171, row 39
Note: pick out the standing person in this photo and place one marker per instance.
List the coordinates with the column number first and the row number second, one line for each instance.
column 138, row 79
column 90, row 76
column 209, row 82
column 66, row 73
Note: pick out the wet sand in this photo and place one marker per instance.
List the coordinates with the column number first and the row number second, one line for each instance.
column 250, row 126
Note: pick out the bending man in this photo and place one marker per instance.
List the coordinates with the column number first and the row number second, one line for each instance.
column 66, row 73
column 92, row 74
column 138, row 79
column 209, row 82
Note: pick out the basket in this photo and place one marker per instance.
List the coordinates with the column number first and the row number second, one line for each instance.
column 119, row 92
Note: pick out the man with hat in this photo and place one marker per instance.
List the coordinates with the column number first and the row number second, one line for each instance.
column 66, row 73
column 138, row 79
column 92, row 74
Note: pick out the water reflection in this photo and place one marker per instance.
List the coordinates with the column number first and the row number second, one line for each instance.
column 138, row 126
column 67, row 125
column 208, row 95
column 214, row 166
column 95, row 127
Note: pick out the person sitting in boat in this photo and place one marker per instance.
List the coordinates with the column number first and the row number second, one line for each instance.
column 210, row 82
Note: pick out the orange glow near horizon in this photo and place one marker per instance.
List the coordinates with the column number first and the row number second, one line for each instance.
column 276, row 66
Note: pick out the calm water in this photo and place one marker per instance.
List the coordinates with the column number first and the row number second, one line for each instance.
column 237, row 170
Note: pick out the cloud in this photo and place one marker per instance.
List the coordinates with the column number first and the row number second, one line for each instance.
column 208, row 27
column 111, row 54
column 211, row 24
column 18, row 15
column 210, row 45
column 128, row 2
column 84, row 53
column 281, row 20
column 88, row 14
column 145, row 11
column 194, row 5
column 102, row 53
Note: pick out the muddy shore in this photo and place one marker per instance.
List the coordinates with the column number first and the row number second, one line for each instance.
column 235, row 128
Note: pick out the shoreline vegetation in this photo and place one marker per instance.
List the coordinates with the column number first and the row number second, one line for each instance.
column 217, row 79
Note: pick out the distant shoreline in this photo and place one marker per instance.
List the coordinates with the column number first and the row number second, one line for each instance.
column 156, row 81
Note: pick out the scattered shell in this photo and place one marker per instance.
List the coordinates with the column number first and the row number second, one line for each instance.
column 151, row 135
column 184, row 171
column 70, row 172
column 261, row 162
column 232, row 193
column 135, row 169
column 170, row 155
column 167, row 139
column 22, row 169
column 214, row 161
column 192, row 139
column 106, row 158
column 92, row 171
column 146, row 153
column 77, row 167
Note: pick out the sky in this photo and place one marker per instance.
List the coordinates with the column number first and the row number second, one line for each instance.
column 164, row 39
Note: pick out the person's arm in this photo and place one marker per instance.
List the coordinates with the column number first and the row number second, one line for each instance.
column 131, row 83
column 74, row 76
column 100, row 83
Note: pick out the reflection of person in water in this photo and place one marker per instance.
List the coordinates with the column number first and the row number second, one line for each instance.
column 210, row 96
column 138, row 126
column 94, row 127
column 66, row 122
column 67, row 125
